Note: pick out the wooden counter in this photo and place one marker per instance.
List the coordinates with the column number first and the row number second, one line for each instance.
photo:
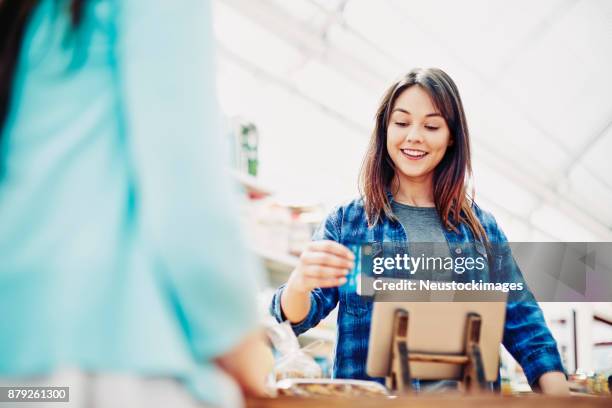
column 536, row 401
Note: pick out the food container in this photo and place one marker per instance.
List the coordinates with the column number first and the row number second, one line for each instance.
column 330, row 388
column 296, row 365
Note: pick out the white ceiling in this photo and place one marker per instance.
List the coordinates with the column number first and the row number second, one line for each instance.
column 534, row 77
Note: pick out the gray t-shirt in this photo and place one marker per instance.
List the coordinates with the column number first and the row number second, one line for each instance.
column 422, row 224
column 423, row 227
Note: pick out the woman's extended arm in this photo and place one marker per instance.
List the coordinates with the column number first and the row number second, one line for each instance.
column 526, row 335
column 324, row 264
column 312, row 290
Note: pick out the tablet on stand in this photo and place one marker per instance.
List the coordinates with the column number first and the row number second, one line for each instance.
column 456, row 340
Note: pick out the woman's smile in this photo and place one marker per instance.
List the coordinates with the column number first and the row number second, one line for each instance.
column 414, row 154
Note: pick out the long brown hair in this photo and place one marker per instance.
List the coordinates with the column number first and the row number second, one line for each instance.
column 14, row 16
column 451, row 175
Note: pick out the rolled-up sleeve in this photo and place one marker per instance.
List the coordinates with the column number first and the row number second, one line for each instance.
column 528, row 339
column 322, row 300
column 526, row 335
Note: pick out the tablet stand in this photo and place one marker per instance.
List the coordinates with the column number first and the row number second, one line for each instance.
column 398, row 378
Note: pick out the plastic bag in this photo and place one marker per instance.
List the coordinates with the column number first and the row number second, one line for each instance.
column 293, row 362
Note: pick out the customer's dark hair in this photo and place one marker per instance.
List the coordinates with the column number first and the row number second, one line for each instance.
column 14, row 17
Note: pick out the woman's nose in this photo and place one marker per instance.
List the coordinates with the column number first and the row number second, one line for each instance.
column 414, row 135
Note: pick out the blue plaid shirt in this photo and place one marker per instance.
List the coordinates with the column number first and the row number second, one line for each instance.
column 526, row 335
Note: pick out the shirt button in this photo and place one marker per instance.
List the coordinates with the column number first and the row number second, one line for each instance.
column 458, row 250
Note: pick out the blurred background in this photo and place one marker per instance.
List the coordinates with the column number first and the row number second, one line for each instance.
column 299, row 82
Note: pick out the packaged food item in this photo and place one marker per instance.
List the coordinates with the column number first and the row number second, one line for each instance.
column 330, row 388
column 293, row 362
column 591, row 383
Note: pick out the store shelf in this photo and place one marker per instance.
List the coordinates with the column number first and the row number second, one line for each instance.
column 281, row 261
column 602, row 312
column 278, row 265
column 603, row 319
column 254, row 187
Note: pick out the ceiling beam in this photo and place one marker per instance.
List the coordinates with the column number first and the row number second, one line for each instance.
column 282, row 24
column 309, row 42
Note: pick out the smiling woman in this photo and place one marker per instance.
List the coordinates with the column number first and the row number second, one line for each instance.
column 413, row 184
column 421, row 130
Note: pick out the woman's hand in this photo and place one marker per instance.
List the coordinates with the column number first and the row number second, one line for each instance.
column 323, row 264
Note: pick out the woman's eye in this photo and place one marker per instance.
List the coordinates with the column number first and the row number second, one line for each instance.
column 432, row 127
column 402, row 124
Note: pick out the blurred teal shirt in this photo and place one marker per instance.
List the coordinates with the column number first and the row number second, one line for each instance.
column 119, row 244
